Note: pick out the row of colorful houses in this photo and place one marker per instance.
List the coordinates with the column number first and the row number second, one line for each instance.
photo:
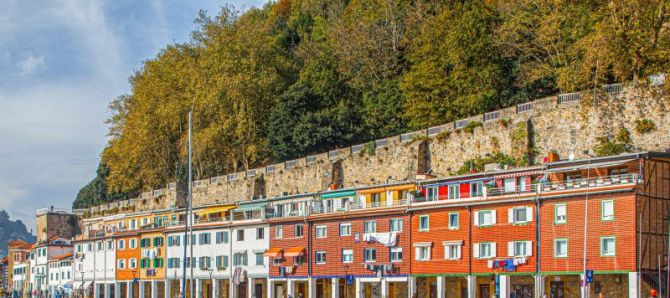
column 521, row 232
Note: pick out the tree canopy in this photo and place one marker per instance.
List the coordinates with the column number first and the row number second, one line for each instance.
column 298, row 77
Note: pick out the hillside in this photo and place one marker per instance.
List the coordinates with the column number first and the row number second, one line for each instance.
column 298, row 77
column 11, row 230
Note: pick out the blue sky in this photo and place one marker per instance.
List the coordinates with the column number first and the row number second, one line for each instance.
column 61, row 62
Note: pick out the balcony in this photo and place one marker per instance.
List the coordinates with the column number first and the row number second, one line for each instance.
column 598, row 181
column 353, row 206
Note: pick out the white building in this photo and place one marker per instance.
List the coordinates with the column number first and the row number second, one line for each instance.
column 39, row 261
column 60, row 275
column 19, row 277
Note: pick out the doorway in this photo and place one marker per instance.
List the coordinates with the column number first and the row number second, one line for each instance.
column 484, row 291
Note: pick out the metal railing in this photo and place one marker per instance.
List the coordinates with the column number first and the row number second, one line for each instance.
column 461, row 123
column 350, row 206
column 525, row 107
column 251, row 173
column 310, row 159
column 232, row 177
column 569, row 97
column 356, row 148
column 270, row 169
column 381, row 143
column 333, row 154
column 436, row 130
column 613, row 88
column 490, row 116
column 289, row 164
column 597, row 181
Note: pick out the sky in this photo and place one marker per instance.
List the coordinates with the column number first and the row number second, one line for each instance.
column 61, row 62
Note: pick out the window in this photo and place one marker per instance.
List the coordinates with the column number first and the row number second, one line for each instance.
column 396, row 225
column 279, row 232
column 240, row 235
column 370, row 255
column 431, row 193
column 476, row 189
column 519, row 215
column 453, row 221
column 122, row 264
column 396, row 254
column 422, row 251
column 98, row 248
column 485, row 250
column 145, row 242
column 452, row 250
column 132, row 263
column 205, row 238
column 158, row 241
column 240, row 259
column 221, row 262
column 345, row 229
column 221, row 237
column 320, row 257
column 454, row 191
column 132, row 224
column 347, row 256
column 205, row 262
column 608, row 210
column 320, row 231
column 158, row 263
column 560, row 213
column 619, row 171
column 173, row 263
column 298, row 231
column 522, row 184
column 561, row 248
column 509, row 185
column 260, row 233
column 144, row 263
column 370, row 226
column 519, row 248
column 299, row 260
column 132, row 243
column 78, row 250
column 122, row 244
column 607, row 246
column 375, row 200
column 259, row 259
column 424, row 223
column 485, row 218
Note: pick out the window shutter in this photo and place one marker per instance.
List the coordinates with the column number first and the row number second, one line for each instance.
column 493, row 217
column 476, row 218
column 510, row 249
column 510, row 215
column 458, row 251
column 529, row 248
column 529, row 213
column 475, row 250
column 493, row 247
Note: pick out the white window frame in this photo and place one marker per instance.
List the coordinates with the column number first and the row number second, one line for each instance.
column 493, row 217
column 370, row 226
column 422, row 251
column 121, row 264
column 478, row 248
column 432, row 193
column 512, row 214
column 513, row 245
column 604, row 253
column 458, row 219
column 564, row 219
column 556, row 252
column 348, row 230
column 347, row 252
column 453, row 191
column 480, row 185
column 396, row 224
column 319, row 260
column 603, row 216
column 423, row 228
column 322, row 228
column 279, row 232
column 394, row 251
column 365, row 255
column 132, row 263
column 121, row 245
column 456, row 245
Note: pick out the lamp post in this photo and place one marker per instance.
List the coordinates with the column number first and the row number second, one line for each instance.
column 132, row 284
column 81, row 287
column 210, row 289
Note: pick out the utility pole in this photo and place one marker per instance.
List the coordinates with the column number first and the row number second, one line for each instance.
column 188, row 212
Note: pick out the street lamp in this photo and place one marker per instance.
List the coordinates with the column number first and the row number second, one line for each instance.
column 210, row 271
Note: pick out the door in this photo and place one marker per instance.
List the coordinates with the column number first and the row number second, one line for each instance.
column 556, row 289
column 258, row 289
column 242, row 290
column 484, row 291
column 279, row 291
column 433, row 290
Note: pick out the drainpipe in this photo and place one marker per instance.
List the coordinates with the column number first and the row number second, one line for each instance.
column 469, row 208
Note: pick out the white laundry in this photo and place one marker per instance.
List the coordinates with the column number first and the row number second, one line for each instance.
column 387, row 239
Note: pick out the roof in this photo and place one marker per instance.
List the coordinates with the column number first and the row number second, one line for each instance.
column 19, row 244
column 61, row 257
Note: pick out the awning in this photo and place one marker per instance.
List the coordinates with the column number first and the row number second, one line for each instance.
column 77, row 285
column 274, row 252
column 589, row 166
column 519, row 174
column 251, row 207
column 295, row 252
column 338, row 194
column 401, row 187
column 216, row 209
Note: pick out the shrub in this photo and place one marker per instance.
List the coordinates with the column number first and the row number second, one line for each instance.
column 470, row 127
column 643, row 126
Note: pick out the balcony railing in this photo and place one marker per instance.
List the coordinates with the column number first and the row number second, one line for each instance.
column 592, row 182
column 350, row 206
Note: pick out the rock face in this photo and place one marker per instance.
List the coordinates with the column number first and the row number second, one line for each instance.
column 12, row 230
column 568, row 125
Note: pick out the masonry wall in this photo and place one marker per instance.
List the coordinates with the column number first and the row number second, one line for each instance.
column 568, row 128
column 287, row 241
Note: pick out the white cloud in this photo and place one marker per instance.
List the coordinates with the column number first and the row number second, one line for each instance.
column 29, row 64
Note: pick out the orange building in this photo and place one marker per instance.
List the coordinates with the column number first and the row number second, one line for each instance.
column 127, row 263
column 152, row 262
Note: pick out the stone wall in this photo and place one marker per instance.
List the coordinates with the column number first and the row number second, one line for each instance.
column 56, row 223
column 569, row 127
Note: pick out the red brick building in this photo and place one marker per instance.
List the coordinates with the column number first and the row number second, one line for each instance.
column 522, row 231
